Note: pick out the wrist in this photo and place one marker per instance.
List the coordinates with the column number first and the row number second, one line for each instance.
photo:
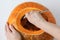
column 41, row 24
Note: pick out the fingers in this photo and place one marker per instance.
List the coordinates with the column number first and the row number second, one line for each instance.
column 33, row 13
column 29, row 14
column 26, row 15
column 12, row 28
column 7, row 28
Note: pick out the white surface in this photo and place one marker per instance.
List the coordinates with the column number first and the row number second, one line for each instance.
column 6, row 6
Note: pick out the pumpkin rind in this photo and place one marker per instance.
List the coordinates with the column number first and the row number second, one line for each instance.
column 20, row 11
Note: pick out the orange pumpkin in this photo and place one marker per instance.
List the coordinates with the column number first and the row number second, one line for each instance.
column 16, row 19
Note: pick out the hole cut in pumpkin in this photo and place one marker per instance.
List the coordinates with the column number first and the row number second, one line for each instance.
column 29, row 26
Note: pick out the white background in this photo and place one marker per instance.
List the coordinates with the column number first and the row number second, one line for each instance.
column 6, row 6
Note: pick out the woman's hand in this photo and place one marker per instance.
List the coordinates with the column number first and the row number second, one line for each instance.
column 35, row 17
column 11, row 33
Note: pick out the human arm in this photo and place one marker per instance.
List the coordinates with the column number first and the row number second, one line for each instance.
column 36, row 19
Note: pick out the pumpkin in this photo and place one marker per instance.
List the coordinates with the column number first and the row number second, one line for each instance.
column 28, row 30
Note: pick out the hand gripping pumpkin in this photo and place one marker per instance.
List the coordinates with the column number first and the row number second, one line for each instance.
column 28, row 30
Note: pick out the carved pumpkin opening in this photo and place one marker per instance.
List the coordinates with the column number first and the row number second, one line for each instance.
column 29, row 26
